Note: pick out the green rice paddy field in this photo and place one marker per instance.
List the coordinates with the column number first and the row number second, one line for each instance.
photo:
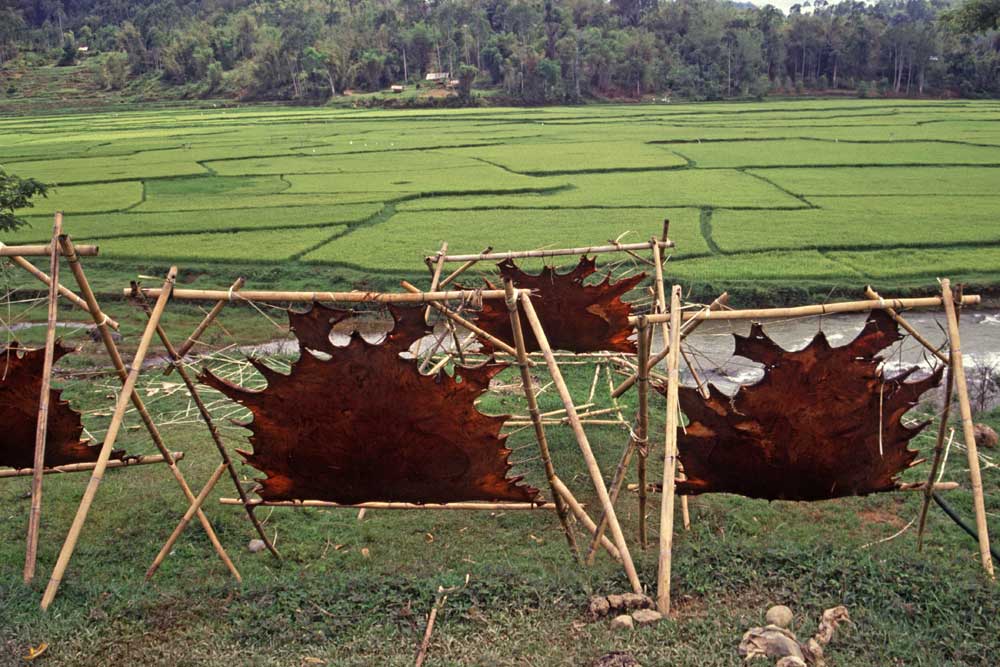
column 816, row 194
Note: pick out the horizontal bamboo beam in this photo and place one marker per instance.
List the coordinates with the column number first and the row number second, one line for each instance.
column 378, row 505
column 591, row 250
column 817, row 309
column 308, row 297
column 921, row 486
column 42, row 250
column 83, row 467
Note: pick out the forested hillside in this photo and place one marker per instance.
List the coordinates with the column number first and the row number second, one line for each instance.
column 524, row 51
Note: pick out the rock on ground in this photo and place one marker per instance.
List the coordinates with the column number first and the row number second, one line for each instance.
column 622, row 622
column 646, row 616
column 256, row 545
column 985, row 436
column 779, row 615
column 616, row 659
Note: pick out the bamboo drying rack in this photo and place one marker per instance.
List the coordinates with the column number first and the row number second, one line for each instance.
column 62, row 247
column 563, row 501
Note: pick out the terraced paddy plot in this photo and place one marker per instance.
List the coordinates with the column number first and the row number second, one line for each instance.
column 886, row 181
column 862, row 222
column 391, row 247
column 823, row 193
column 837, row 152
column 544, row 158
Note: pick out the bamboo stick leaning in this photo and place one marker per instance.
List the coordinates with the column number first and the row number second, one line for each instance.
column 961, row 388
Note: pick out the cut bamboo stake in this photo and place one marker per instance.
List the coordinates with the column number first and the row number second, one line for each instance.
column 581, row 438
column 64, row 291
column 324, row 297
column 718, row 304
column 100, row 319
column 529, row 395
column 933, row 486
column 816, row 309
column 872, row 294
column 109, row 440
column 42, row 421
column 192, row 389
column 43, row 250
column 185, row 520
column 961, row 388
column 464, row 323
column 645, row 335
column 665, row 334
column 210, row 317
column 590, row 250
column 84, row 467
column 462, row 269
column 436, row 275
column 669, row 457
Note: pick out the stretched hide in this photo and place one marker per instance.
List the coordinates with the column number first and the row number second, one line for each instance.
column 576, row 317
column 822, row 423
column 20, row 391
column 360, row 423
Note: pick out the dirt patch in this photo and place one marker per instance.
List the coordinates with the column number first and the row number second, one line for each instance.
column 880, row 516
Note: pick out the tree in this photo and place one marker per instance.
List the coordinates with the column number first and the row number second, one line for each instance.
column 975, row 16
column 466, row 75
column 114, row 71
column 15, row 194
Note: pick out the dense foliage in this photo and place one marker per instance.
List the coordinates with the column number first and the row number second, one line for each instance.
column 533, row 51
column 16, row 193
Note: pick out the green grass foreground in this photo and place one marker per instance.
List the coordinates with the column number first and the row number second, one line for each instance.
column 355, row 592
column 768, row 200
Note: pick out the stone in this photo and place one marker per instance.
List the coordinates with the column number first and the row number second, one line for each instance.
column 646, row 616
column 616, row 602
column 986, row 437
column 779, row 615
column 632, row 601
column 598, row 607
column 616, row 659
column 623, row 622
column 256, row 545
column 790, row 661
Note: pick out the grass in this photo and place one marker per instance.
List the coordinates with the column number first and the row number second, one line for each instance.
column 330, row 601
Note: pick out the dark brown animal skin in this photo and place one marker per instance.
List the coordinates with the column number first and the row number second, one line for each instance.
column 20, row 390
column 360, row 423
column 576, row 317
column 809, row 429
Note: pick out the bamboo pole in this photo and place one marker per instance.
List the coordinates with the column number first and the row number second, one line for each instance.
column 186, row 519
column 581, row 515
column 665, row 334
column 42, row 250
column 206, row 416
column 109, row 440
column 938, row 451
column 42, row 419
column 589, row 250
column 581, row 438
column 83, row 467
column 718, row 304
column 462, row 322
column 645, row 336
column 324, row 297
column 435, row 270
column 463, row 268
column 100, row 319
column 381, row 505
column 961, row 388
column 529, row 395
column 64, row 291
column 669, row 457
column 932, row 486
column 817, row 309
column 210, row 317
column 616, row 484
column 872, row 294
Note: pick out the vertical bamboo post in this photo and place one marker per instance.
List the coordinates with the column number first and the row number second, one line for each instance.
column 962, row 389
column 645, row 332
column 109, row 440
column 581, row 438
column 669, row 457
column 661, row 299
column 536, row 419
column 101, row 320
column 42, row 423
